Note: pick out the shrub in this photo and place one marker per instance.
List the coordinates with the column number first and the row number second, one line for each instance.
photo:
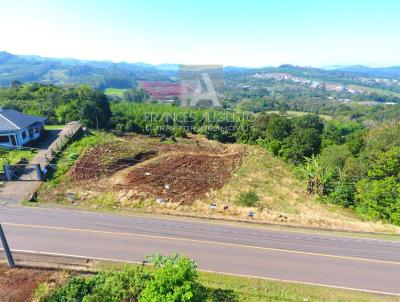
column 248, row 199
column 104, row 287
column 379, row 199
column 179, row 132
column 174, row 281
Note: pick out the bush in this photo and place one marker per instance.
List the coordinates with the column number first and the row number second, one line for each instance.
column 379, row 199
column 248, row 199
column 179, row 132
column 104, row 287
column 343, row 194
column 174, row 281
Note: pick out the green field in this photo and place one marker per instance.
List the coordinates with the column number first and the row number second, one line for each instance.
column 301, row 113
column 115, row 92
column 375, row 90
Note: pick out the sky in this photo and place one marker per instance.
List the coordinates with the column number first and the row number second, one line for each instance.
column 251, row 33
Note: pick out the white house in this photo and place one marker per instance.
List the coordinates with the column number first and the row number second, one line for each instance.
column 17, row 129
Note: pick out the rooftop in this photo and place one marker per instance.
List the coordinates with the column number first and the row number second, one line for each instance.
column 13, row 120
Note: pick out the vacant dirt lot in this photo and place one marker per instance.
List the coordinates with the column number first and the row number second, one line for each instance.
column 105, row 159
column 188, row 175
column 182, row 177
column 179, row 171
column 19, row 284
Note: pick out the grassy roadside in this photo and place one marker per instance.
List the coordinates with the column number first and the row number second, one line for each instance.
column 253, row 289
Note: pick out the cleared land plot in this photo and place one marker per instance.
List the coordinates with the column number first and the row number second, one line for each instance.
column 195, row 177
column 107, row 158
column 183, row 178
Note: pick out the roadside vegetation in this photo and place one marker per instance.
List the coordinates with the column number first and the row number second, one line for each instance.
column 176, row 278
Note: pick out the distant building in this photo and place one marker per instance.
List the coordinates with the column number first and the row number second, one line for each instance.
column 161, row 90
column 17, row 129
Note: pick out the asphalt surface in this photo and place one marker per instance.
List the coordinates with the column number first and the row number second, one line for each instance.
column 358, row 263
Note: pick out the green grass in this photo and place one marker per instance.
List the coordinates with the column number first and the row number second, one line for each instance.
column 301, row 113
column 375, row 90
column 255, row 290
column 115, row 92
column 247, row 199
column 13, row 156
column 75, row 150
column 54, row 127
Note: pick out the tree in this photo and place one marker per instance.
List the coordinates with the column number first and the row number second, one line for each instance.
column 379, row 199
column 316, row 174
column 278, row 127
column 302, row 143
column 385, row 164
column 355, row 142
column 174, row 281
column 136, row 95
column 309, row 121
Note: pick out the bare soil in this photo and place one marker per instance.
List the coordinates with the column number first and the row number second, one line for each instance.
column 183, row 177
column 19, row 284
column 181, row 171
column 105, row 159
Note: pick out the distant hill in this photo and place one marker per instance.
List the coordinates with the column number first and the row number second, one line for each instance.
column 69, row 71
column 377, row 71
column 123, row 75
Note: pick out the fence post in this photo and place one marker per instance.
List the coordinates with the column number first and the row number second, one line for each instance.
column 38, row 172
column 6, row 248
column 7, row 172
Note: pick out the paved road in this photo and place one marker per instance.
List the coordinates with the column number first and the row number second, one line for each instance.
column 366, row 264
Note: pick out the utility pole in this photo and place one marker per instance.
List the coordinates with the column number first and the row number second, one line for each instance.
column 7, row 251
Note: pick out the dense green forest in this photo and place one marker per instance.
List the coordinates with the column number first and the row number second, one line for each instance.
column 353, row 162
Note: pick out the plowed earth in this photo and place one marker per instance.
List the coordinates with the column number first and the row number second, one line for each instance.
column 180, row 171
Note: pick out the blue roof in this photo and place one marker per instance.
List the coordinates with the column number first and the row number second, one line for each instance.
column 12, row 120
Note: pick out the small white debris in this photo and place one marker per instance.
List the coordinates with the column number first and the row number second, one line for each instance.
column 160, row 200
column 213, row 206
column 167, row 186
column 147, row 173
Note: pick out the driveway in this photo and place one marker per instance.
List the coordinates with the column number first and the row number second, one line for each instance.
column 24, row 187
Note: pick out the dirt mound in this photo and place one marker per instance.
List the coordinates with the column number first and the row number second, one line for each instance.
column 183, row 177
column 108, row 158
